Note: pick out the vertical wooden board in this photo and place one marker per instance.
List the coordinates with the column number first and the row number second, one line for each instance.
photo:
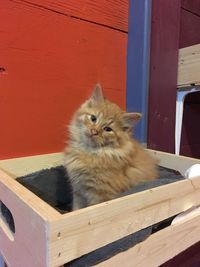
column 112, row 13
column 163, row 74
column 51, row 64
column 189, row 29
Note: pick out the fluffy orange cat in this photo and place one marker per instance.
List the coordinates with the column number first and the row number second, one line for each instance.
column 102, row 159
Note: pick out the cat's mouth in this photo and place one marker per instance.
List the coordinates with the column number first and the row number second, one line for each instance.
column 93, row 140
column 92, row 134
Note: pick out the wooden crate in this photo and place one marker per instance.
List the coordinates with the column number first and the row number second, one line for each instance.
column 44, row 237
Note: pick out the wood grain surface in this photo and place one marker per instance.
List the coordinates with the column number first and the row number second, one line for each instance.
column 163, row 74
column 112, row 13
column 189, row 28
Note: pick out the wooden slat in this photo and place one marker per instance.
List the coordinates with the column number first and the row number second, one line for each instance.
column 179, row 163
column 159, row 247
column 107, row 222
column 21, row 166
column 191, row 5
column 189, row 29
column 24, row 165
column 112, row 13
column 189, row 66
column 52, row 63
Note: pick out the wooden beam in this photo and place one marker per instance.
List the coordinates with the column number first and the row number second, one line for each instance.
column 189, row 66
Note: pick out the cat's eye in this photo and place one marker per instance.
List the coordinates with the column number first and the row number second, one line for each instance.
column 93, row 118
column 107, row 129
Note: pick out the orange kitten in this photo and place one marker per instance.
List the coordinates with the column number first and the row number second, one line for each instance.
column 102, row 159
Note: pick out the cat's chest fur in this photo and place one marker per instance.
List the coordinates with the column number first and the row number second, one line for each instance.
column 93, row 164
column 97, row 175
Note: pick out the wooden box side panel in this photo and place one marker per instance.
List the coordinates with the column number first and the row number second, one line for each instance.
column 179, row 163
column 159, row 247
column 28, row 245
column 163, row 74
column 107, row 222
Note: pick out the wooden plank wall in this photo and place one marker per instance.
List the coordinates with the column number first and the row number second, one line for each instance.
column 190, row 23
column 190, row 145
column 51, row 55
column 175, row 24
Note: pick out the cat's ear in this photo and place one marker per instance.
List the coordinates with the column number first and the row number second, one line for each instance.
column 130, row 119
column 97, row 94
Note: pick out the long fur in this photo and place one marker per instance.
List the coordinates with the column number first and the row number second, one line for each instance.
column 102, row 162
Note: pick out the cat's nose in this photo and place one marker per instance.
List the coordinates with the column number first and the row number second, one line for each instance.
column 94, row 132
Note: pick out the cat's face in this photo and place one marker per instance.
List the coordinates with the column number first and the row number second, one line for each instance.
column 101, row 123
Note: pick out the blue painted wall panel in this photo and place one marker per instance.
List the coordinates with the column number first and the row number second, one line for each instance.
column 138, row 62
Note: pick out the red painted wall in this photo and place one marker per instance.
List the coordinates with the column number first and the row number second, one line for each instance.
column 51, row 56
